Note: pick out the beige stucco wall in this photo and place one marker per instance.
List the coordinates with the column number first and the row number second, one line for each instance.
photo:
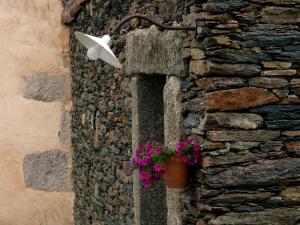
column 32, row 41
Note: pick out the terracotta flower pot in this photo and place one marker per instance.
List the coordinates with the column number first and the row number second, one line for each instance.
column 177, row 173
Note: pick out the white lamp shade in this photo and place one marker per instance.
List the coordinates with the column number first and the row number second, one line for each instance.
column 98, row 48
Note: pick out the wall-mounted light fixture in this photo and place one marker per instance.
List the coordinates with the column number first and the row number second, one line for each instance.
column 98, row 48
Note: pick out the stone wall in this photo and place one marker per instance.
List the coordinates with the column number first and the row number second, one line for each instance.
column 241, row 99
column 35, row 104
column 239, row 96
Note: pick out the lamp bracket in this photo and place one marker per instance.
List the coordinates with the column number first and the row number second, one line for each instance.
column 161, row 26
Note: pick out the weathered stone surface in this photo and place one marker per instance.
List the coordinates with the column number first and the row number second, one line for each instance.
column 243, row 145
column 235, row 99
column 233, row 158
column 65, row 129
column 244, row 70
column 149, row 51
column 47, row 171
column 232, row 120
column 213, row 145
column 283, row 124
column 216, row 83
column 276, row 65
column 191, row 120
column 292, row 147
column 237, row 56
column 46, row 87
column 199, row 67
column 280, row 15
column 281, row 93
column 197, row 54
column 279, row 72
column 291, row 195
column 241, row 198
column 278, row 112
column 207, row 68
column 279, row 216
column 293, row 57
column 172, row 111
column 268, row 172
column 276, row 2
column 252, row 135
column 251, row 40
column 224, row 6
column 295, row 82
column 265, row 82
column 271, row 146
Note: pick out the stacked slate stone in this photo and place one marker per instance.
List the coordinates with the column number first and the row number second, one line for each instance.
column 242, row 100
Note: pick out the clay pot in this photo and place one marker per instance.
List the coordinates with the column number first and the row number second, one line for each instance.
column 177, row 173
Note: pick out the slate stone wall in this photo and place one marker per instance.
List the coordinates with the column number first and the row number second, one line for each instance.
column 101, row 118
column 241, row 99
column 239, row 96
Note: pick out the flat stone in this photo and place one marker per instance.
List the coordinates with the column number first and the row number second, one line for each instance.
column 232, row 120
column 251, row 135
column 279, row 216
column 279, row 72
column 233, row 158
column 268, row 172
column 283, row 124
column 197, row 53
column 199, row 67
column 47, row 87
column 217, row 83
column 252, row 39
column 207, row 68
column 291, row 195
column 241, row 198
column 276, row 65
column 265, row 82
column 237, row 56
column 236, row 99
column 280, row 15
column 276, row 2
column 224, row 6
column 243, row 145
column 295, row 82
column 150, row 52
column 278, row 112
column 47, row 171
column 271, row 146
column 281, row 93
column 213, row 145
column 292, row 147
column 206, row 16
column 294, row 56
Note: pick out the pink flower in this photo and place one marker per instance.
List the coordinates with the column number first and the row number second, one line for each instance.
column 145, row 176
column 157, row 167
column 180, row 147
column 160, row 149
column 185, row 159
column 143, row 162
column 147, row 184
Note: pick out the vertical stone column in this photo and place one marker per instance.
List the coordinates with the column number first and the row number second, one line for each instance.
column 173, row 122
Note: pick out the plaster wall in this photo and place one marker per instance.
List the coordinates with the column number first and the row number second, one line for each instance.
column 33, row 42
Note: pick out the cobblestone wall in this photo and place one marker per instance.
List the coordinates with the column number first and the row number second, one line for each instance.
column 239, row 97
column 101, row 119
